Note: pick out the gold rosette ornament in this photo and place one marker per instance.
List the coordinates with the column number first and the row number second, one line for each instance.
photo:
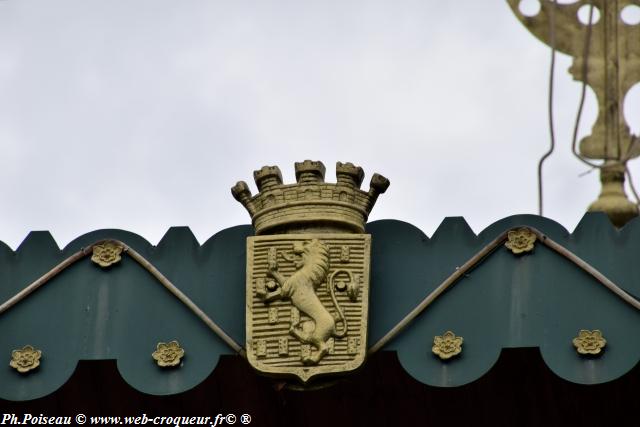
column 589, row 342
column 106, row 254
column 520, row 240
column 25, row 359
column 168, row 354
column 447, row 345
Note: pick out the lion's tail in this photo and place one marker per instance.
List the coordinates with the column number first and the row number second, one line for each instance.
column 341, row 318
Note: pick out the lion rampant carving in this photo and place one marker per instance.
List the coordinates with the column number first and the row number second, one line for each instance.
column 311, row 260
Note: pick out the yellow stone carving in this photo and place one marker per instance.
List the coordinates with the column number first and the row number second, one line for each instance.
column 106, row 254
column 313, row 302
column 589, row 342
column 308, row 270
column 168, row 354
column 447, row 345
column 25, row 359
column 520, row 240
column 311, row 204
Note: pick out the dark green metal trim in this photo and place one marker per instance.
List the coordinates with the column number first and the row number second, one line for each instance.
column 534, row 300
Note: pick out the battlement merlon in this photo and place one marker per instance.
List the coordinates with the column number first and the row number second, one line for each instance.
column 241, row 193
column 309, row 172
column 311, row 203
column 378, row 185
column 348, row 174
column 267, row 177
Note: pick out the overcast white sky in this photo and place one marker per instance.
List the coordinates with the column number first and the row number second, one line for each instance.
column 141, row 114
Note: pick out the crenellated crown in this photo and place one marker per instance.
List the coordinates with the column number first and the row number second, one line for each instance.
column 310, row 205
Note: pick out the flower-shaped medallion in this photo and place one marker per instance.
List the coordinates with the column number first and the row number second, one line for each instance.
column 520, row 240
column 589, row 342
column 447, row 345
column 106, row 254
column 25, row 359
column 168, row 354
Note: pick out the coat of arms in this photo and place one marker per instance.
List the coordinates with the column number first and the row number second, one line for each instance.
column 308, row 270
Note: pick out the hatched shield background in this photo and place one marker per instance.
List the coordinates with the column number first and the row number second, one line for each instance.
column 289, row 331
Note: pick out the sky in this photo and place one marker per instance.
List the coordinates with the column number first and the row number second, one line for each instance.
column 141, row 114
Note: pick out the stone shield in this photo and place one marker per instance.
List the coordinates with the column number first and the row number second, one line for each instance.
column 307, row 303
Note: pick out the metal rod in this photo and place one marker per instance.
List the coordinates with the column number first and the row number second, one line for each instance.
column 44, row 279
column 479, row 257
column 437, row 292
column 550, row 95
column 147, row 266
column 588, row 268
column 185, row 300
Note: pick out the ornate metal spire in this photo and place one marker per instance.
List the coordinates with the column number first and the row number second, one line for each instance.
column 612, row 68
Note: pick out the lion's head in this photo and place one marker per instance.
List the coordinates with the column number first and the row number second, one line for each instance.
column 313, row 259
